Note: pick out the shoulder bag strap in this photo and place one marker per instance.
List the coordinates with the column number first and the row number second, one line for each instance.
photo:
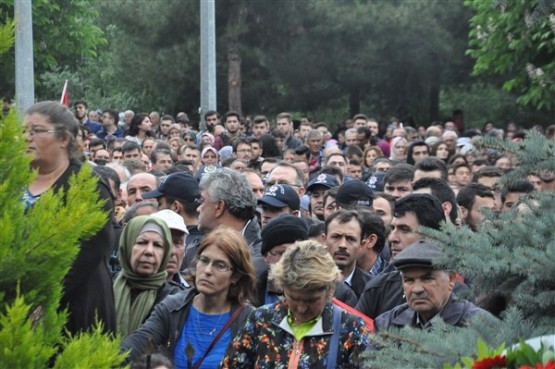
column 219, row 335
column 334, row 341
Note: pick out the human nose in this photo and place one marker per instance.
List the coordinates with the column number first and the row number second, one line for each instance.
column 393, row 236
column 417, row 288
column 149, row 250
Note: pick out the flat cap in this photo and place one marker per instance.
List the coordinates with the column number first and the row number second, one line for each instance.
column 420, row 254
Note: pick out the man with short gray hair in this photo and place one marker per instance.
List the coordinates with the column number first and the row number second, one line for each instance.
column 428, row 289
column 227, row 200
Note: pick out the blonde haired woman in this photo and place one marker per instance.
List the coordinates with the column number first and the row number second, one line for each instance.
column 305, row 329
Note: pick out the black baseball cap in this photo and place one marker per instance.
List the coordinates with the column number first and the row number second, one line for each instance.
column 181, row 185
column 280, row 196
column 354, row 192
column 326, row 180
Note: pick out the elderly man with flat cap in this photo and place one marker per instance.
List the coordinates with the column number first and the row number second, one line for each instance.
column 428, row 289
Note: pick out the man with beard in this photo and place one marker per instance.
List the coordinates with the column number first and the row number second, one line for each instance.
column 232, row 123
column 344, row 235
column 81, row 111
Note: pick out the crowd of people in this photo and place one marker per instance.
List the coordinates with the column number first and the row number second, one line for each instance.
column 251, row 244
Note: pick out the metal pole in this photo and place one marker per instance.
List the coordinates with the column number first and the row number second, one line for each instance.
column 207, row 58
column 24, row 69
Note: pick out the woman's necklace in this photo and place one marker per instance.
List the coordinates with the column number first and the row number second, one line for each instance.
column 212, row 331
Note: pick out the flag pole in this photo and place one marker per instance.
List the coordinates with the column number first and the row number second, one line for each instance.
column 64, row 92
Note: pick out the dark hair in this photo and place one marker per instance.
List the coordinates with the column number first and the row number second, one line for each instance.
column 270, row 148
column 431, row 164
column 276, row 133
column 520, row 185
column 380, row 160
column 96, row 142
column 373, row 224
column 232, row 114
column 135, row 123
column 489, row 171
column 441, row 189
column 114, row 114
column 467, row 194
column 352, row 151
column 332, row 192
column 316, row 228
column 387, row 197
column 107, row 174
column 260, row 119
column 455, row 157
column 410, row 159
column 461, row 165
column 426, row 208
column 155, row 153
column 400, row 172
column 239, row 140
column 64, row 122
column 333, row 170
column 130, row 146
column 210, row 113
column 81, row 102
column 168, row 117
column 360, row 116
column 344, row 216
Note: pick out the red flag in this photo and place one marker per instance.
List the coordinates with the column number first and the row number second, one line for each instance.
column 64, row 100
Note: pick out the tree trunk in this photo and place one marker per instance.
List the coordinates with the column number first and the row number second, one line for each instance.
column 234, row 74
column 354, row 101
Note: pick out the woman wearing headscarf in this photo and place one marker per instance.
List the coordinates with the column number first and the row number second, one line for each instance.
column 144, row 251
column 398, row 149
column 196, row 326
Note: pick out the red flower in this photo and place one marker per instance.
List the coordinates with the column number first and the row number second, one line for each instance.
column 550, row 365
column 497, row 361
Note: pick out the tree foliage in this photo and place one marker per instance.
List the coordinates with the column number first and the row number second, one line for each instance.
column 7, row 37
column 516, row 40
column 37, row 249
column 64, row 32
column 510, row 256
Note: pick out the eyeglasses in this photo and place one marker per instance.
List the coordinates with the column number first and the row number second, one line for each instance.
column 271, row 183
column 218, row 265
column 37, row 132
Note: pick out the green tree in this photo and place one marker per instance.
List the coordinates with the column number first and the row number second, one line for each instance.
column 511, row 257
column 64, row 32
column 516, row 40
column 37, row 249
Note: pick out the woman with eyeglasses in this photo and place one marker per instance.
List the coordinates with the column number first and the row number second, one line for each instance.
column 52, row 135
column 196, row 326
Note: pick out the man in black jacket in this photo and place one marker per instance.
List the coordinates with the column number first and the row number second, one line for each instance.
column 384, row 292
column 428, row 289
column 280, row 233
